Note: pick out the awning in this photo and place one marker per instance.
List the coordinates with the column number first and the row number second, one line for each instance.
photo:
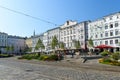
column 103, row 46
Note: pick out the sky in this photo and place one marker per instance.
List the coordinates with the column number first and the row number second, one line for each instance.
column 55, row 11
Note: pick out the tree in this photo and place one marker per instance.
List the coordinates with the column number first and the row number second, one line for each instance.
column 62, row 45
column 7, row 48
column 54, row 42
column 77, row 44
column 27, row 49
column 91, row 45
column 90, row 42
column 39, row 45
column 11, row 48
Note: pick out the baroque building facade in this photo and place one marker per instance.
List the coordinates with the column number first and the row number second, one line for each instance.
column 17, row 42
column 3, row 41
column 72, row 31
column 105, row 30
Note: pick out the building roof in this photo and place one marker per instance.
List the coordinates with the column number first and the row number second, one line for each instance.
column 3, row 33
column 17, row 37
column 112, row 14
column 53, row 29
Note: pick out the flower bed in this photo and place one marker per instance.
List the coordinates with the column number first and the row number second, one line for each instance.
column 42, row 57
column 5, row 55
column 111, row 59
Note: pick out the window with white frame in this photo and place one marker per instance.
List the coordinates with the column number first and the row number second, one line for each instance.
column 106, row 42
column 101, row 35
column 116, row 24
column 106, row 26
column 111, row 33
column 111, row 25
column 116, row 41
column 111, row 41
column 106, row 34
column 116, row 32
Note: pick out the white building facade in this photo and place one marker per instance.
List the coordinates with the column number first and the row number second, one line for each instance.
column 3, row 41
column 17, row 42
column 45, row 40
column 35, row 39
column 105, row 30
column 71, row 31
column 50, row 34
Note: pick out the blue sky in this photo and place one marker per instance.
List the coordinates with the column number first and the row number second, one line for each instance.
column 56, row 11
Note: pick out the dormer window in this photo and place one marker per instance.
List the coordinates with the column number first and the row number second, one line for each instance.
column 67, row 22
column 117, row 17
column 110, row 18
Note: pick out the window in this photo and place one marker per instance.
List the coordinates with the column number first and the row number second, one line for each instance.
column 70, row 31
column 67, row 38
column 95, row 43
column 106, row 27
column 100, row 42
column 70, row 37
column 101, row 35
column 74, row 31
column 106, row 34
column 96, row 36
column 106, row 42
column 116, row 41
column 111, row 41
column 67, row 32
column 117, row 17
column 110, row 18
column 64, row 32
column 64, row 38
column 111, row 33
column 104, row 20
column 116, row 24
column 81, row 30
column 67, row 22
column 74, row 37
column 116, row 32
column 81, row 37
column 111, row 25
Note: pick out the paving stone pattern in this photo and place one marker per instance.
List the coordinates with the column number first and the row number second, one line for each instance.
column 14, row 70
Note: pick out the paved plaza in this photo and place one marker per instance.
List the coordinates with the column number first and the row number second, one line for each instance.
column 13, row 69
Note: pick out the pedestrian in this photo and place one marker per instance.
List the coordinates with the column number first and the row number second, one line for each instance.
column 72, row 53
column 58, row 55
column 77, row 54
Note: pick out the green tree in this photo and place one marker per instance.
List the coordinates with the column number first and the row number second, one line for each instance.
column 54, row 42
column 7, row 49
column 39, row 45
column 77, row 44
column 62, row 45
column 27, row 49
column 90, row 42
column 11, row 49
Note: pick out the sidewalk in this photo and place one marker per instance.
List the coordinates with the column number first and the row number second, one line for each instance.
column 91, row 64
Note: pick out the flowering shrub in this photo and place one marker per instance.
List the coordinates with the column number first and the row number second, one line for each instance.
column 42, row 57
column 104, row 53
column 115, row 56
column 112, row 59
column 101, row 60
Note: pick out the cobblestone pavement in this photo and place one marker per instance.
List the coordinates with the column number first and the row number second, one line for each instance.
column 19, row 70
